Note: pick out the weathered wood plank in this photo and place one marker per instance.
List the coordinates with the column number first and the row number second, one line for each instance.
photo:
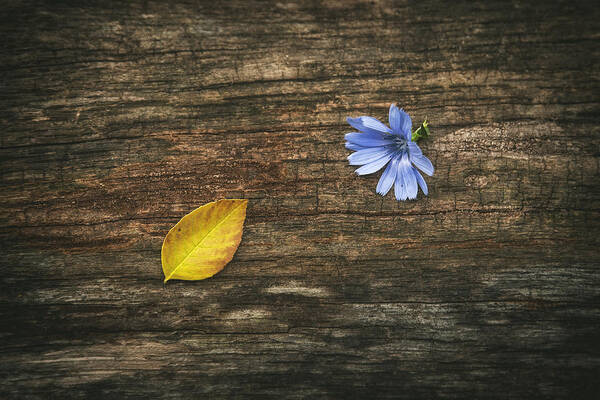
column 119, row 118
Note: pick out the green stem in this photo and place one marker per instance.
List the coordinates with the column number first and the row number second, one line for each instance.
column 421, row 132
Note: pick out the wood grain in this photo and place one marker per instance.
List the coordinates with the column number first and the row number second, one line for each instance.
column 118, row 118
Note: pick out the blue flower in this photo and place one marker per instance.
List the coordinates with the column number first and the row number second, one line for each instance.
column 376, row 145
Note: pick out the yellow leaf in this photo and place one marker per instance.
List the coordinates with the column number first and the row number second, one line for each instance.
column 204, row 241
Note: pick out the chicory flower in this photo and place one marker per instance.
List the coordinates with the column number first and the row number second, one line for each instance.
column 377, row 145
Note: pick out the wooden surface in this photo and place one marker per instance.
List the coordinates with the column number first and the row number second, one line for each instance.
column 117, row 118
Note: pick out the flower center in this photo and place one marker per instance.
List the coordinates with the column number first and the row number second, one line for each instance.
column 401, row 144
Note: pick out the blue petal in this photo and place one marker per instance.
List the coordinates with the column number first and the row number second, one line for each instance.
column 357, row 124
column 406, row 126
column 388, row 177
column 376, row 165
column 367, row 139
column 423, row 164
column 368, row 124
column 414, row 150
column 420, row 180
column 375, row 124
column 399, row 190
column 371, row 133
column 410, row 182
column 367, row 155
column 354, row 146
column 395, row 119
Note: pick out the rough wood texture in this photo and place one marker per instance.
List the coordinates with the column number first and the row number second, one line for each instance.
column 118, row 118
